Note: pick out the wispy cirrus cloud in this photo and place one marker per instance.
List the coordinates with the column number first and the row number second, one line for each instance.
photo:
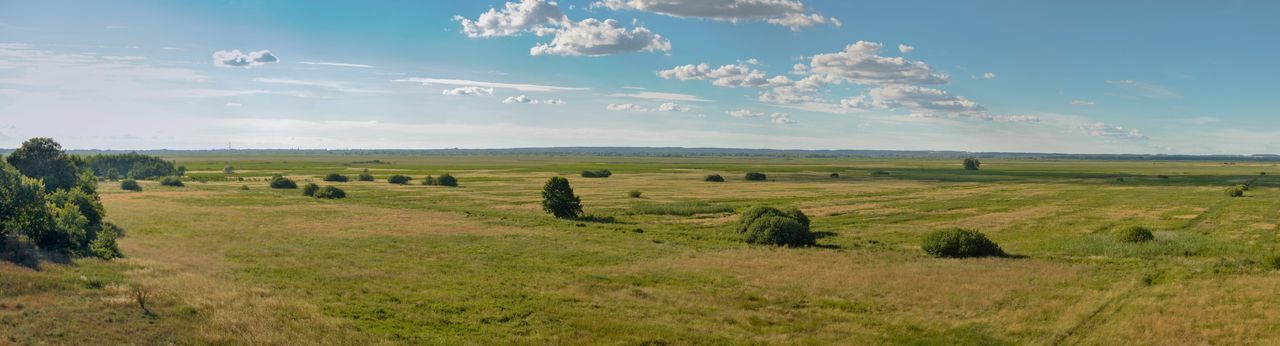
column 335, row 64
column 464, row 82
column 234, row 58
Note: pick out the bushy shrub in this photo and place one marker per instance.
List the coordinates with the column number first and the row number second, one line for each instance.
column 1235, row 191
column 365, row 176
column 335, row 177
column 714, row 178
column 879, row 173
column 835, row 175
column 1272, row 262
column 558, row 199
column 604, row 173
column 310, row 189
column 972, row 164
column 171, row 181
column 104, row 244
column 130, row 185
column 228, row 170
column 447, row 180
column 330, row 192
column 768, row 225
column 1134, row 234
column 399, row 179
column 280, row 182
column 959, row 243
column 131, row 165
column 429, row 180
column 756, row 176
column 634, row 194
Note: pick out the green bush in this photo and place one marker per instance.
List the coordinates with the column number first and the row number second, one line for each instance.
column 104, row 243
column 604, row 173
column 714, row 178
column 447, row 180
column 768, row 225
column 879, row 173
column 335, row 177
column 756, row 176
column 558, row 199
column 429, row 180
column 330, row 192
column 1235, row 191
column 835, row 175
column 280, row 182
column 634, row 194
column 365, row 176
column 130, row 185
column 959, row 243
column 130, row 165
column 1272, row 262
column 228, row 170
column 972, row 164
column 1134, row 234
column 399, row 179
column 171, row 181
column 310, row 189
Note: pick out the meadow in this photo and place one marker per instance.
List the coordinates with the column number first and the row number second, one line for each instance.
column 227, row 260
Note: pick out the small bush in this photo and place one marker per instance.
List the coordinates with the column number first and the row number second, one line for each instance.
column 767, row 225
column 835, row 175
column 447, row 180
column 365, row 176
column 244, row 187
column 604, row 173
column 714, row 178
column 310, row 189
column 959, row 243
column 1235, row 191
column 429, row 180
column 1134, row 234
column 336, row 178
column 972, row 164
column 104, row 244
column 399, row 179
column 130, row 185
column 1162, row 176
column 228, row 170
column 171, row 181
column 330, row 192
column 634, row 194
column 1272, row 262
column 879, row 173
column 280, row 182
column 756, row 176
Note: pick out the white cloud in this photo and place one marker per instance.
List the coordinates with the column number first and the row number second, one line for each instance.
column 625, row 107
column 861, row 63
column 468, row 90
column 235, row 58
column 787, row 13
column 337, row 64
column 633, row 88
column 924, row 102
column 593, row 37
column 745, row 113
column 526, row 100
column 905, row 48
column 782, row 119
column 989, row 75
column 660, row 96
column 463, row 82
column 732, row 75
column 672, row 107
column 1110, row 131
column 1082, row 103
column 513, row 19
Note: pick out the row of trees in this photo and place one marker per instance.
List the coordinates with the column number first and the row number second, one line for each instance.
column 50, row 199
column 131, row 166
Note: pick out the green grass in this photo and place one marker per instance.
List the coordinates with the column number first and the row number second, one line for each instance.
column 680, row 208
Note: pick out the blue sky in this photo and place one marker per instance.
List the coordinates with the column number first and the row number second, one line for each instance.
column 1188, row 77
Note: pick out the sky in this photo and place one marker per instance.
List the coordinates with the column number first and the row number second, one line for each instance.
column 1175, row 77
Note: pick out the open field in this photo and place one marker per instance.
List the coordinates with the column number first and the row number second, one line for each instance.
column 483, row 264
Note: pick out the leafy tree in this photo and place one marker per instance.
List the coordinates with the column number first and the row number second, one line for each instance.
column 22, row 203
column 604, row 173
column 171, row 181
column 43, row 158
column 335, row 177
column 399, row 179
column 365, row 176
column 280, row 182
column 447, row 180
column 971, row 164
column 132, row 165
column 558, row 199
column 130, row 185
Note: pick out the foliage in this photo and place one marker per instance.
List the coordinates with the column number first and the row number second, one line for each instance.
column 960, row 243
column 130, row 185
column 634, row 193
column 399, row 179
column 42, row 158
column 228, row 170
column 768, row 225
column 335, row 177
column 1134, row 234
column 1271, row 262
column 835, row 175
column 756, row 176
column 972, row 164
column 330, row 192
column 171, row 181
column 714, row 178
column 879, row 173
column 280, row 182
column 604, row 173
column 447, row 180
column 131, row 165
column 104, row 244
column 558, row 199
column 1235, row 191
column 365, row 176
column 310, row 189
column 681, row 208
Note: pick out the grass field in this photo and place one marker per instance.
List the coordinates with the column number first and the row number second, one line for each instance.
column 483, row 264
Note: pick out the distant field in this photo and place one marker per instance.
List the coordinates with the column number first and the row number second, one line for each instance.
column 483, row 264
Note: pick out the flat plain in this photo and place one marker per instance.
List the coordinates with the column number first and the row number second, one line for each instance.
column 227, row 260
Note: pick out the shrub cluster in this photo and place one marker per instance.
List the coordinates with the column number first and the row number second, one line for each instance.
column 131, row 165
column 335, row 177
column 365, row 176
column 714, row 178
column 604, row 173
column 330, row 192
column 768, row 225
column 171, row 181
column 972, row 164
column 835, row 175
column 399, row 179
column 310, row 189
column 130, row 185
column 756, row 176
column 228, row 170
column 443, row 180
column 558, row 199
column 1236, row 191
column 960, row 243
column 52, row 199
column 280, row 182
column 1134, row 234
column 634, row 194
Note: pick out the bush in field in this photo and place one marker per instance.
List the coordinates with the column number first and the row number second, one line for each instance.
column 879, row 173
column 365, row 176
column 634, row 194
column 604, row 173
column 104, row 244
column 1134, row 234
column 171, row 181
column 959, row 243
column 1272, row 262
column 756, row 176
column 972, row 164
column 558, row 199
column 228, row 170
column 768, row 225
column 55, row 214
column 335, row 177
column 1235, row 191
column 714, row 178
column 429, row 180
column 835, row 175
column 131, row 165
column 130, row 185
column 331, row 192
column 399, row 179
column 310, row 189
column 447, row 180
column 280, row 182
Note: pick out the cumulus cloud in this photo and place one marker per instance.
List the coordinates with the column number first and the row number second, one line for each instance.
column 781, row 119
column 745, row 113
column 235, row 58
column 925, row 102
column 631, row 107
column 593, row 37
column 1110, row 131
column 513, row 19
column 468, row 90
column 989, row 75
column 672, row 107
column 731, row 75
column 526, row 100
column 788, row 13
column 861, row 63
column 905, row 48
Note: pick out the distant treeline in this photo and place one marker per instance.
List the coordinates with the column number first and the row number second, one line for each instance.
column 699, row 152
column 130, row 165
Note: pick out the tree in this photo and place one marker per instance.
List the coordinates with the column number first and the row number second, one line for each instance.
column 280, row 182
column 21, row 201
column 399, row 179
column 447, row 180
column 971, row 164
column 365, row 176
column 558, row 199
column 43, row 158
